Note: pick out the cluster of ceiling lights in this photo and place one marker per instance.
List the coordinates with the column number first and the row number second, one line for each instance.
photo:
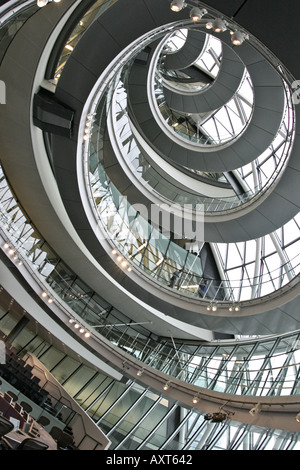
column 123, row 262
column 79, row 328
column 73, row 322
column 12, row 252
column 234, row 308
column 43, row 3
column 218, row 25
column 45, row 296
column 212, row 307
column 89, row 126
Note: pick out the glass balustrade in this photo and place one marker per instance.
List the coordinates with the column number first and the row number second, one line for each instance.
column 98, row 8
column 269, row 165
column 260, row 367
column 266, row 367
column 143, row 246
column 12, row 21
column 128, row 423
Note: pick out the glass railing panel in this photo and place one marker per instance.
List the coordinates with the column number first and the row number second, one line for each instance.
column 19, row 14
column 66, row 284
column 268, row 165
column 77, row 33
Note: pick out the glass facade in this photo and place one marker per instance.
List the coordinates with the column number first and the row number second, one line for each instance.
column 133, row 416
column 138, row 418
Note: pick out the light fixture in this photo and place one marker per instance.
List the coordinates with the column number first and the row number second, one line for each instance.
column 140, row 372
column 208, row 308
column 6, row 245
column 50, row 300
column 214, row 308
column 298, row 418
column 235, row 308
column 114, row 252
column 209, row 25
column 42, row 3
column 82, row 330
column 71, row 321
column 76, row 326
column 219, row 25
column 196, row 400
column 254, row 411
column 166, row 386
column 87, row 334
column 196, row 14
column 44, row 294
column 237, row 38
column 177, row 5
column 91, row 116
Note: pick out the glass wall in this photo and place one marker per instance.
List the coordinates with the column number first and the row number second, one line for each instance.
column 137, row 418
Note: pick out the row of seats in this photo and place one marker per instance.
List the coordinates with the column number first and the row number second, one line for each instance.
column 26, row 424
column 19, row 374
column 13, row 409
column 6, row 427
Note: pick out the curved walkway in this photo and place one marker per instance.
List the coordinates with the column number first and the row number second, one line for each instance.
column 218, row 93
column 264, row 318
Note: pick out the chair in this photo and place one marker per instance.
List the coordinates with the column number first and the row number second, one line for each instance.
column 65, row 440
column 43, row 421
column 18, row 408
column 55, row 432
column 26, row 407
column 32, row 444
column 13, row 396
column 5, row 426
column 8, row 398
column 4, row 406
column 25, row 415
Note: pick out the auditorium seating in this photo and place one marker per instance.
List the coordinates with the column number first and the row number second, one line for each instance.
column 19, row 375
